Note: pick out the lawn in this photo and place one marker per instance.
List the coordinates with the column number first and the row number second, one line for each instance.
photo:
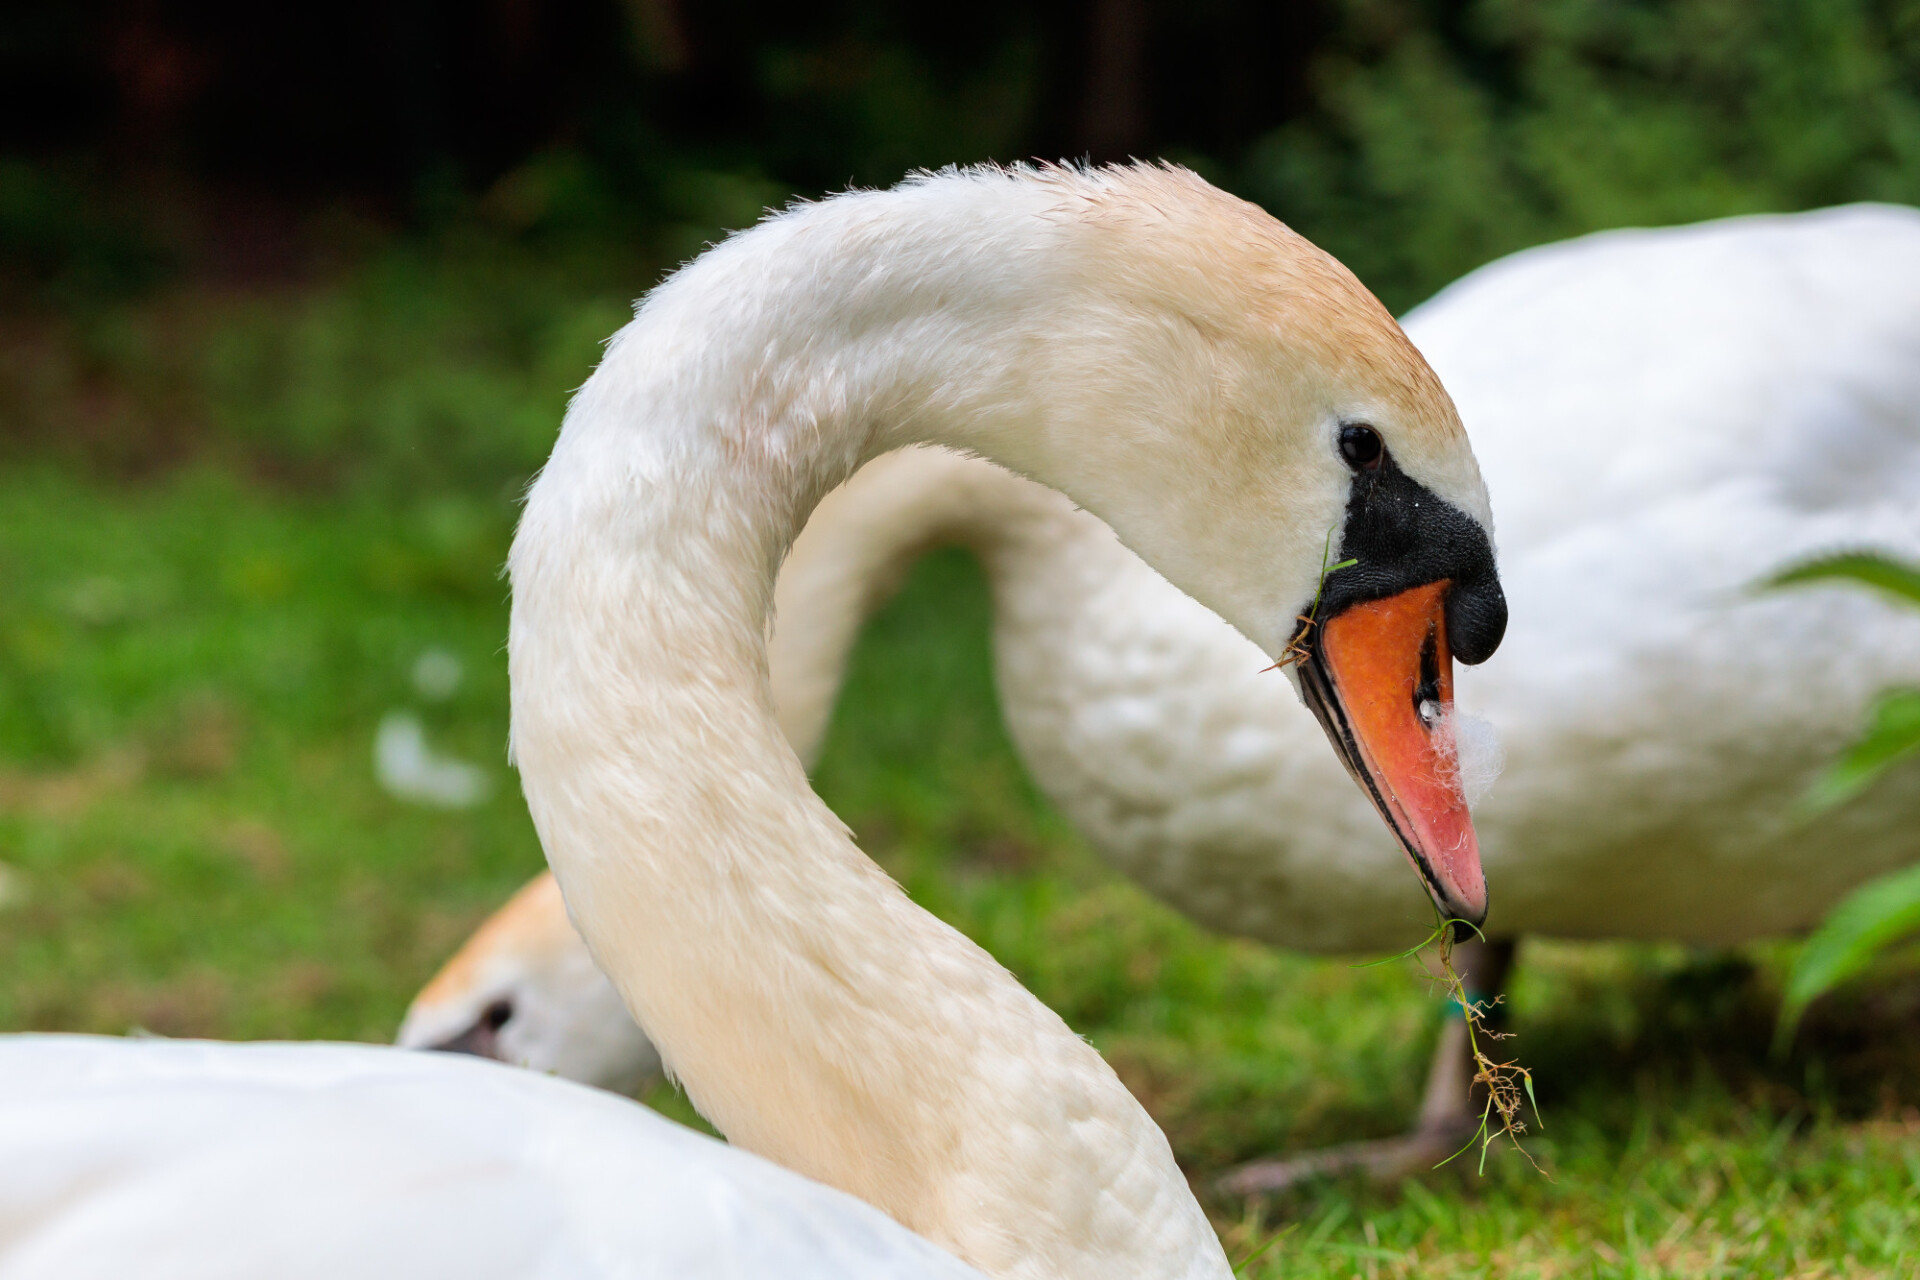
column 196, row 649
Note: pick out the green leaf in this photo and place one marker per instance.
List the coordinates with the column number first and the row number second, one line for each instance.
column 1892, row 734
column 1883, row 911
column 1866, row 922
column 1889, row 575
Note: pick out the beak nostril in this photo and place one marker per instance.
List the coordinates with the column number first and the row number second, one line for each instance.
column 1426, row 694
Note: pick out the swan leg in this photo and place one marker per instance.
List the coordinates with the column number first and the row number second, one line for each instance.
column 1449, row 1111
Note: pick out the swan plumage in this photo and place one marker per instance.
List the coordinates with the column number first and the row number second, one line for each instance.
column 1665, row 417
column 1168, row 356
column 163, row 1158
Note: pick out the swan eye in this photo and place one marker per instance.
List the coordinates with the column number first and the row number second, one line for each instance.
column 1360, row 446
column 497, row 1015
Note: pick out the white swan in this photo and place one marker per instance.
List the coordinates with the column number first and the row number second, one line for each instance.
column 161, row 1159
column 1666, row 417
column 525, row 990
column 1222, row 393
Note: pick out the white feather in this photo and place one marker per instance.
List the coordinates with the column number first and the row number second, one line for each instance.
column 408, row 768
column 1473, row 749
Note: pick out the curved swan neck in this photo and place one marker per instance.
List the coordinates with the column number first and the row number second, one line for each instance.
column 812, row 1012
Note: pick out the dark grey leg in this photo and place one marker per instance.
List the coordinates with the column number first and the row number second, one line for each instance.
column 1449, row 1113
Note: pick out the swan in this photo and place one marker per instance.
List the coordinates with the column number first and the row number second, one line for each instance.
column 524, row 990
column 159, row 1158
column 1664, row 417
column 1224, row 395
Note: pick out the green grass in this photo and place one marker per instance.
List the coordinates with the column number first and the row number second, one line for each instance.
column 189, row 679
column 190, row 676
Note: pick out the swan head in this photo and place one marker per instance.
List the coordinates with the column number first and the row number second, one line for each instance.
column 524, row 991
column 1232, row 401
column 1247, row 416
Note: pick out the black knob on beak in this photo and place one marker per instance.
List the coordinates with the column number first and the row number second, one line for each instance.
column 1476, row 616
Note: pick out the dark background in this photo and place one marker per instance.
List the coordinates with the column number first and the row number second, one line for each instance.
column 1416, row 138
column 373, row 244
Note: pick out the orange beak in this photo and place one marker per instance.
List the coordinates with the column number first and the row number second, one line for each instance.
column 1380, row 680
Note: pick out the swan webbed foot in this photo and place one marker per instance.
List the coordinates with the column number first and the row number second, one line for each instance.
column 1382, row 1160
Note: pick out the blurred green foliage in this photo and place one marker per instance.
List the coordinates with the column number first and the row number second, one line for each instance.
column 1443, row 136
column 63, row 241
column 1886, row 910
column 1892, row 731
column 1422, row 140
column 420, row 371
column 432, row 366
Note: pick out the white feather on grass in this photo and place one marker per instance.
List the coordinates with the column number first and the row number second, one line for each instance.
column 411, row 770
